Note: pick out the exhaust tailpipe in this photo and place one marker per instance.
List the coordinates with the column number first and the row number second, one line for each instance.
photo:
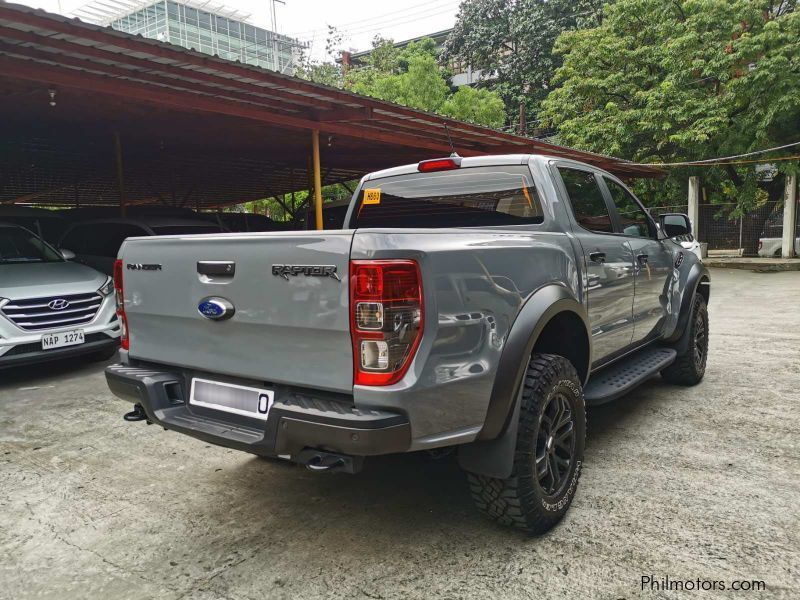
column 329, row 462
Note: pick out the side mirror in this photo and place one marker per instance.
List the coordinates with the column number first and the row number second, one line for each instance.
column 67, row 254
column 675, row 224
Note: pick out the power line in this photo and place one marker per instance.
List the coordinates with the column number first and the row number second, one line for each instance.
column 722, row 160
column 731, row 162
column 378, row 18
column 392, row 21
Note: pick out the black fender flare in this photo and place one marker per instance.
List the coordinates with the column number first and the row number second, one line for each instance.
column 493, row 452
column 696, row 275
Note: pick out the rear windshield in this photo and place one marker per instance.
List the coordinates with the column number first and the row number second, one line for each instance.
column 18, row 246
column 187, row 229
column 471, row 197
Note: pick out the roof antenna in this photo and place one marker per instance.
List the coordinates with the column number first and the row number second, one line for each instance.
column 453, row 153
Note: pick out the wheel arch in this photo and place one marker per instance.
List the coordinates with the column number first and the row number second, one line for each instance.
column 551, row 321
column 697, row 282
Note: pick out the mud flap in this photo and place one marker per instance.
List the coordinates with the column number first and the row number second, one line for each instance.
column 493, row 458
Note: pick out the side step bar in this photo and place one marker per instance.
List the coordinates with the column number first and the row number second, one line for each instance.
column 621, row 377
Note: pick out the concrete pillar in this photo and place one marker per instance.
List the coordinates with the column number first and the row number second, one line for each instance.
column 789, row 217
column 693, row 204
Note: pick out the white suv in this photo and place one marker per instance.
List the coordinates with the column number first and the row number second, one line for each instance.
column 51, row 308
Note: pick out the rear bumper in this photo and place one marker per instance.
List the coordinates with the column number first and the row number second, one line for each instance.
column 299, row 418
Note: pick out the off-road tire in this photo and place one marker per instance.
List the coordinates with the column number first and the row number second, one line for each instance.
column 690, row 365
column 521, row 500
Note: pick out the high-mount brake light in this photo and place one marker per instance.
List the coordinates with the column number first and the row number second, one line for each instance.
column 386, row 317
column 439, row 164
column 119, row 296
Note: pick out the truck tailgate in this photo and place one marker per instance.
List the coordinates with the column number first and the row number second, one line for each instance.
column 289, row 327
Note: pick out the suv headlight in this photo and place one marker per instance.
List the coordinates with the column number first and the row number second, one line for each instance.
column 107, row 288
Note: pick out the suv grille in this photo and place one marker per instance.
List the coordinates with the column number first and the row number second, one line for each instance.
column 34, row 314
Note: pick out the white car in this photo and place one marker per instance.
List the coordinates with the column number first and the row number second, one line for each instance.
column 771, row 247
column 692, row 245
column 51, row 308
column 688, row 242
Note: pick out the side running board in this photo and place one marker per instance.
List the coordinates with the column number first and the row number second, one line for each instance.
column 621, row 377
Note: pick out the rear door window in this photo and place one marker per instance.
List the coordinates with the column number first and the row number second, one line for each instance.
column 588, row 203
column 469, row 197
column 115, row 233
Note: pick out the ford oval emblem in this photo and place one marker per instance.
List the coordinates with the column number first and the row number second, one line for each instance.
column 216, row 309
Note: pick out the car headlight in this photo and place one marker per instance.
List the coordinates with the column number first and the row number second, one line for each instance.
column 107, row 288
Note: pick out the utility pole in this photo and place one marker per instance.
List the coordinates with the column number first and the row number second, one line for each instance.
column 274, row 19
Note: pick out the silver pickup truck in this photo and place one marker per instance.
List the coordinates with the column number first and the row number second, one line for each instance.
column 475, row 303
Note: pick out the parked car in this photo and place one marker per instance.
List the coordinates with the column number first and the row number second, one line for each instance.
column 48, row 224
column 96, row 242
column 476, row 304
column 51, row 308
column 772, row 247
column 333, row 215
column 688, row 241
column 248, row 222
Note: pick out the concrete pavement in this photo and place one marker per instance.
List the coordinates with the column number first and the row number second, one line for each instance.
column 683, row 483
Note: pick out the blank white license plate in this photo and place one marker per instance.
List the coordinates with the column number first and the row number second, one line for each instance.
column 62, row 338
column 232, row 398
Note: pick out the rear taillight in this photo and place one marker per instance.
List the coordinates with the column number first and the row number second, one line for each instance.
column 760, row 244
column 119, row 296
column 386, row 315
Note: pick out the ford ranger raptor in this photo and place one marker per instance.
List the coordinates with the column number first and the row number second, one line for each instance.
column 478, row 304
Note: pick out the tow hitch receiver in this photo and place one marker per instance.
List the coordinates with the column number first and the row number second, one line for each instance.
column 137, row 414
column 319, row 460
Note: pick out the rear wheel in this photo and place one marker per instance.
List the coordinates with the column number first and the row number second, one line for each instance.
column 690, row 365
column 549, row 451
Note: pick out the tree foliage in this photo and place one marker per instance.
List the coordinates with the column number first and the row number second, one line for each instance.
column 685, row 80
column 412, row 76
column 513, row 39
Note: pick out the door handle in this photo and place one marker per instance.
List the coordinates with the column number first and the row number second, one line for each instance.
column 218, row 268
column 598, row 257
column 642, row 258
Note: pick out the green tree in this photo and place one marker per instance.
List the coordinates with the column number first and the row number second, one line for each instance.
column 475, row 105
column 513, row 39
column 686, row 80
column 412, row 76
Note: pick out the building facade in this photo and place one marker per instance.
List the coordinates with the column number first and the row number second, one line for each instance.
column 197, row 25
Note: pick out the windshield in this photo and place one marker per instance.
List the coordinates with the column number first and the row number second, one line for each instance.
column 18, row 245
column 187, row 229
column 470, row 197
column 48, row 227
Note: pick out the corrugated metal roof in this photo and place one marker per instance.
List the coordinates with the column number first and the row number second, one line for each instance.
column 155, row 93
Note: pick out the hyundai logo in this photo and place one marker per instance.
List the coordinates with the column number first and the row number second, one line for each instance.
column 58, row 304
column 216, row 309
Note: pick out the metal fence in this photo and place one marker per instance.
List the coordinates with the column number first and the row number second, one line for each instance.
column 756, row 233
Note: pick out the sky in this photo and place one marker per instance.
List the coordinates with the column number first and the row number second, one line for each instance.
column 357, row 20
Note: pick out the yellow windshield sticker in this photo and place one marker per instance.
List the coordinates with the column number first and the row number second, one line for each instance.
column 372, row 196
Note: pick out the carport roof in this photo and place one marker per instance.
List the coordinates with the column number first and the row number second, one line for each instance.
column 196, row 129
